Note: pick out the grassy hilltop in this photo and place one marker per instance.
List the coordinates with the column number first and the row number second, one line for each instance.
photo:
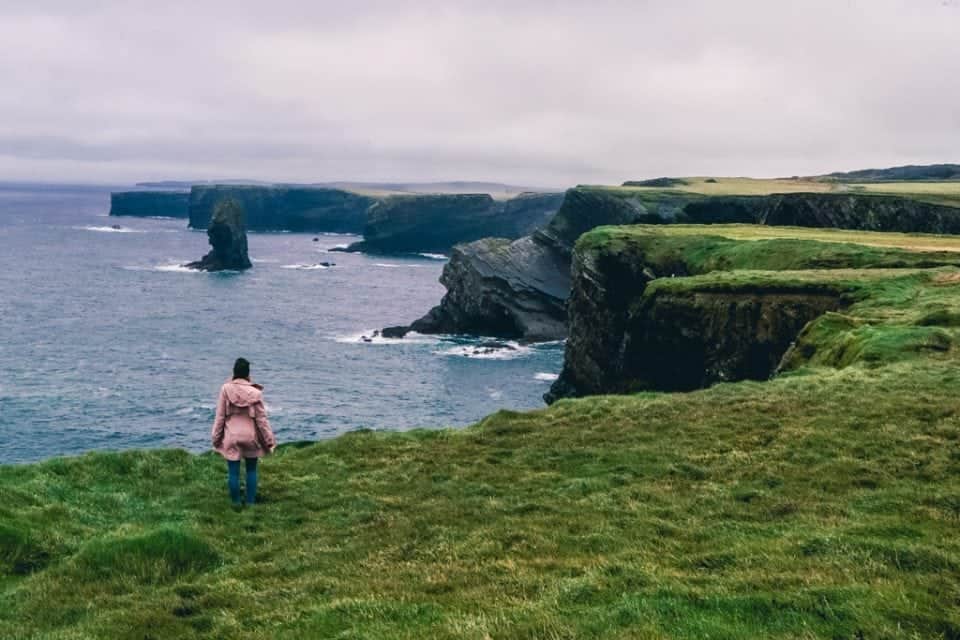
column 934, row 191
column 823, row 503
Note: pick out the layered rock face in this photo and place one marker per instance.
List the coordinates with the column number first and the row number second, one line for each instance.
column 828, row 210
column 518, row 289
column 656, row 309
column 280, row 208
column 681, row 340
column 228, row 238
column 165, row 204
column 434, row 223
column 496, row 287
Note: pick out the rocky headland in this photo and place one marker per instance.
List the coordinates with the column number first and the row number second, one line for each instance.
column 435, row 223
column 519, row 289
column 159, row 204
column 680, row 308
column 284, row 208
column 227, row 234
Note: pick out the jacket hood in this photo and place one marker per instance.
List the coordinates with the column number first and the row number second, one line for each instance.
column 242, row 393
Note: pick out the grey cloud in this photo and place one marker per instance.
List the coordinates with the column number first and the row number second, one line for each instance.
column 541, row 92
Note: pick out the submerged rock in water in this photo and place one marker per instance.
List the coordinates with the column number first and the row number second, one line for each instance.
column 395, row 332
column 228, row 237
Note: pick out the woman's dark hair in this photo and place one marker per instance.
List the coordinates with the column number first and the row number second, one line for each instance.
column 241, row 368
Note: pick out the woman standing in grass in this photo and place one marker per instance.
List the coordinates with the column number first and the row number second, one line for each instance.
column 241, row 429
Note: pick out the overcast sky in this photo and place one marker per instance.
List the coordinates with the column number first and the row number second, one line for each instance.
column 529, row 91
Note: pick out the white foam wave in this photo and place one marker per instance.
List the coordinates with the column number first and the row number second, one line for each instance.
column 368, row 337
column 174, row 268
column 388, row 265
column 117, row 229
column 551, row 343
column 194, row 408
column 546, row 377
column 305, row 267
column 433, row 256
column 481, row 351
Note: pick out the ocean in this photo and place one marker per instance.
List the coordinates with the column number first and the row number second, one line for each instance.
column 106, row 343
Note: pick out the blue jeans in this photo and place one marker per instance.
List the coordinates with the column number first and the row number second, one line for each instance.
column 233, row 480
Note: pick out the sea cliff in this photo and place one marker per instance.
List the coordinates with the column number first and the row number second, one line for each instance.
column 436, row 222
column 165, row 204
column 678, row 308
column 284, row 208
column 518, row 289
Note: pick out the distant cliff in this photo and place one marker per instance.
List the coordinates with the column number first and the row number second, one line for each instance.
column 168, row 204
column 435, row 223
column 906, row 172
column 519, row 289
column 281, row 208
column 865, row 211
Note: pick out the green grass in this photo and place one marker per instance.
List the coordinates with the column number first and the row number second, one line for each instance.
column 908, row 241
column 809, row 506
column 824, row 503
column 943, row 192
column 698, row 249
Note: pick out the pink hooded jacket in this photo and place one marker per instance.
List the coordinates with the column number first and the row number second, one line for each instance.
column 241, row 428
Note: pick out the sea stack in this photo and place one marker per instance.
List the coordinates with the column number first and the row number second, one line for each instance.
column 228, row 237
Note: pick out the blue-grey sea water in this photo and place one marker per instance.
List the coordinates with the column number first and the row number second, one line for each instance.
column 106, row 343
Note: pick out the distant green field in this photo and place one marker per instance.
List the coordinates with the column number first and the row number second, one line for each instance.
column 910, row 241
column 824, row 503
column 947, row 192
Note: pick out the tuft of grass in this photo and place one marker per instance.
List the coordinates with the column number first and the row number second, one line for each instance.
column 20, row 552
column 150, row 557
